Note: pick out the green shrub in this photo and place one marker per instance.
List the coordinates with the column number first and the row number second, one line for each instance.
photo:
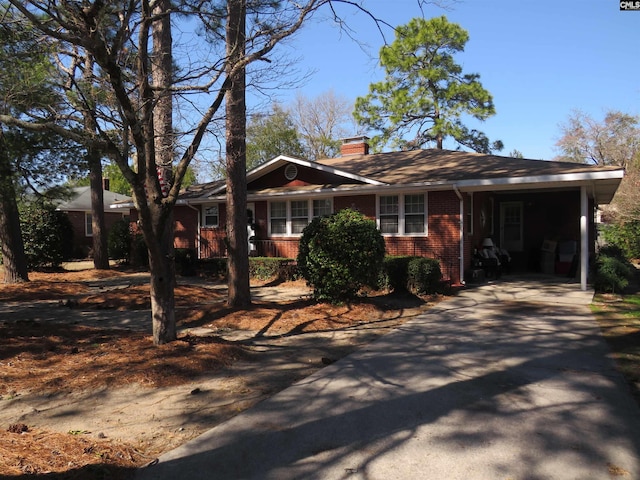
column 139, row 251
column 625, row 236
column 424, row 275
column 46, row 233
column 119, row 241
column 339, row 254
column 186, row 261
column 612, row 271
column 395, row 273
column 216, row 267
column 265, row 268
column 418, row 275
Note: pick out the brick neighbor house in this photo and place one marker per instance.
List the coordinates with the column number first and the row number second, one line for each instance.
column 435, row 203
column 78, row 209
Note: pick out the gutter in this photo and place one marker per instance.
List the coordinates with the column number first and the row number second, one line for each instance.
column 455, row 189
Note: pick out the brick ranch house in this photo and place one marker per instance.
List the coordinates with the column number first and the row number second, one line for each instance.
column 433, row 203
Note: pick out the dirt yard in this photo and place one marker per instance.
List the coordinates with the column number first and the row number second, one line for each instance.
column 85, row 394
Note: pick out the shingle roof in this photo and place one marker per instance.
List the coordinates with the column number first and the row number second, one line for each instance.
column 201, row 190
column 435, row 169
column 450, row 166
column 81, row 200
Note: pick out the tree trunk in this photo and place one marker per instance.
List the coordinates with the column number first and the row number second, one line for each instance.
column 100, row 250
column 99, row 231
column 161, row 255
column 239, row 293
column 13, row 257
column 163, row 282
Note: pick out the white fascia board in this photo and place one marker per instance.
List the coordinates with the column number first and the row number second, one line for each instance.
column 351, row 190
column 119, row 206
column 123, row 205
column 540, row 180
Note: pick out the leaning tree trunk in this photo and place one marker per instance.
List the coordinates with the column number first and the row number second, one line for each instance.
column 239, row 293
column 13, row 256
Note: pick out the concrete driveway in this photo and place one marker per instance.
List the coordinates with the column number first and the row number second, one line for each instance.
column 506, row 381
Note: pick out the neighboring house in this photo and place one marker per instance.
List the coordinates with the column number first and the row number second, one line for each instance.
column 78, row 209
column 433, row 203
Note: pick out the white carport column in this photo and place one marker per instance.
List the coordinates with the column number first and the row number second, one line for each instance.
column 584, row 238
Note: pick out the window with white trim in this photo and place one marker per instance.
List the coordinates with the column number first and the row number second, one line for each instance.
column 299, row 215
column 278, row 218
column 322, row 207
column 402, row 214
column 292, row 216
column 389, row 214
column 88, row 224
column 414, row 214
column 211, row 216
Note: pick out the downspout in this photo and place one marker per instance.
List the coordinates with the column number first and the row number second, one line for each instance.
column 455, row 189
column 197, row 231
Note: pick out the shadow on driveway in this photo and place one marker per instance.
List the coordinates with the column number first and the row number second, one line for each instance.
column 479, row 387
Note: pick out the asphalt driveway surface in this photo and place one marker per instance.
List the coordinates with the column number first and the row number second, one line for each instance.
column 507, row 381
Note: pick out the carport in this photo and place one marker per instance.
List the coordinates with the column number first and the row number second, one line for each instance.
column 521, row 213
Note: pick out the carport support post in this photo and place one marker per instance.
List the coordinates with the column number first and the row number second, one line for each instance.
column 584, row 238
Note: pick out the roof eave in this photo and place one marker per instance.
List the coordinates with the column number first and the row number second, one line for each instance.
column 602, row 184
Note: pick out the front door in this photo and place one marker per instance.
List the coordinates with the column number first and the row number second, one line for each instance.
column 511, row 226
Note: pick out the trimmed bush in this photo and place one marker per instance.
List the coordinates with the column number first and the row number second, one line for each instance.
column 339, row 254
column 186, row 261
column 119, row 241
column 265, row 268
column 216, row 267
column 395, row 273
column 424, row 275
column 418, row 275
column 612, row 270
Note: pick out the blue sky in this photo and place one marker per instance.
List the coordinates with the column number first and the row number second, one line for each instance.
column 540, row 59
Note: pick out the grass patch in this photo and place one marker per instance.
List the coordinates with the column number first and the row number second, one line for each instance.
column 619, row 318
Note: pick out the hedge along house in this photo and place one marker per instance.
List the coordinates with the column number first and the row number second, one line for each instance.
column 434, row 203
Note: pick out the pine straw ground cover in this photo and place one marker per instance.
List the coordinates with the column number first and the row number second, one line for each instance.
column 39, row 358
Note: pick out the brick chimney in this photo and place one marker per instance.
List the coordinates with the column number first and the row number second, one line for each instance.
column 355, row 146
column 105, row 184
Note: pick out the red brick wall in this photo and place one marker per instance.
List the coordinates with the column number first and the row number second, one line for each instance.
column 365, row 204
column 212, row 244
column 186, row 223
column 443, row 234
column 442, row 241
column 83, row 244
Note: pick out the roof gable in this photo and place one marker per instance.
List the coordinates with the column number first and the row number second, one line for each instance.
column 321, row 169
